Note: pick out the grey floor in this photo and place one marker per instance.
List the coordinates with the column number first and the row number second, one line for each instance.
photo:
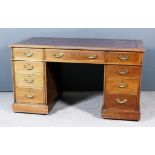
column 76, row 110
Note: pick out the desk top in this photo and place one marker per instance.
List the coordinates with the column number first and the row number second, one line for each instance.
column 82, row 43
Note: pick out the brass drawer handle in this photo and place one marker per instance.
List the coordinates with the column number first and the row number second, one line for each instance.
column 122, row 72
column 58, row 55
column 123, row 57
column 29, row 80
column 91, row 56
column 30, row 96
column 28, row 67
column 121, row 101
column 28, row 54
column 123, row 85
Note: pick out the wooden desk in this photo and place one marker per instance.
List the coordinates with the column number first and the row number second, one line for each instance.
column 35, row 86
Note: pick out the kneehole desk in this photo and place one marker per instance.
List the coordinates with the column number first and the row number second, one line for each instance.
column 36, row 84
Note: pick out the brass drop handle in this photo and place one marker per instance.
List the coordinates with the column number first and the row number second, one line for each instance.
column 123, row 85
column 28, row 54
column 123, row 57
column 122, row 72
column 91, row 56
column 29, row 80
column 58, row 55
column 30, row 95
column 121, row 101
column 28, row 67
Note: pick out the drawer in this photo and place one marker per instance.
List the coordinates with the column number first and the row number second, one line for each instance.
column 122, row 85
column 124, row 58
column 29, row 95
column 122, row 71
column 27, row 54
column 29, row 80
column 121, row 101
column 78, row 56
column 26, row 67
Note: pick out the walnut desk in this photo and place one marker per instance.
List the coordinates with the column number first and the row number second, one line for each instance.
column 34, row 77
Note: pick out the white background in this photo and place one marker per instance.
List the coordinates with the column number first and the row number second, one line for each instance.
column 78, row 14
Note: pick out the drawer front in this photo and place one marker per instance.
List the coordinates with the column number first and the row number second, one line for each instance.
column 122, row 85
column 29, row 95
column 122, row 71
column 124, row 58
column 28, row 54
column 121, row 101
column 29, row 80
column 25, row 67
column 75, row 56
